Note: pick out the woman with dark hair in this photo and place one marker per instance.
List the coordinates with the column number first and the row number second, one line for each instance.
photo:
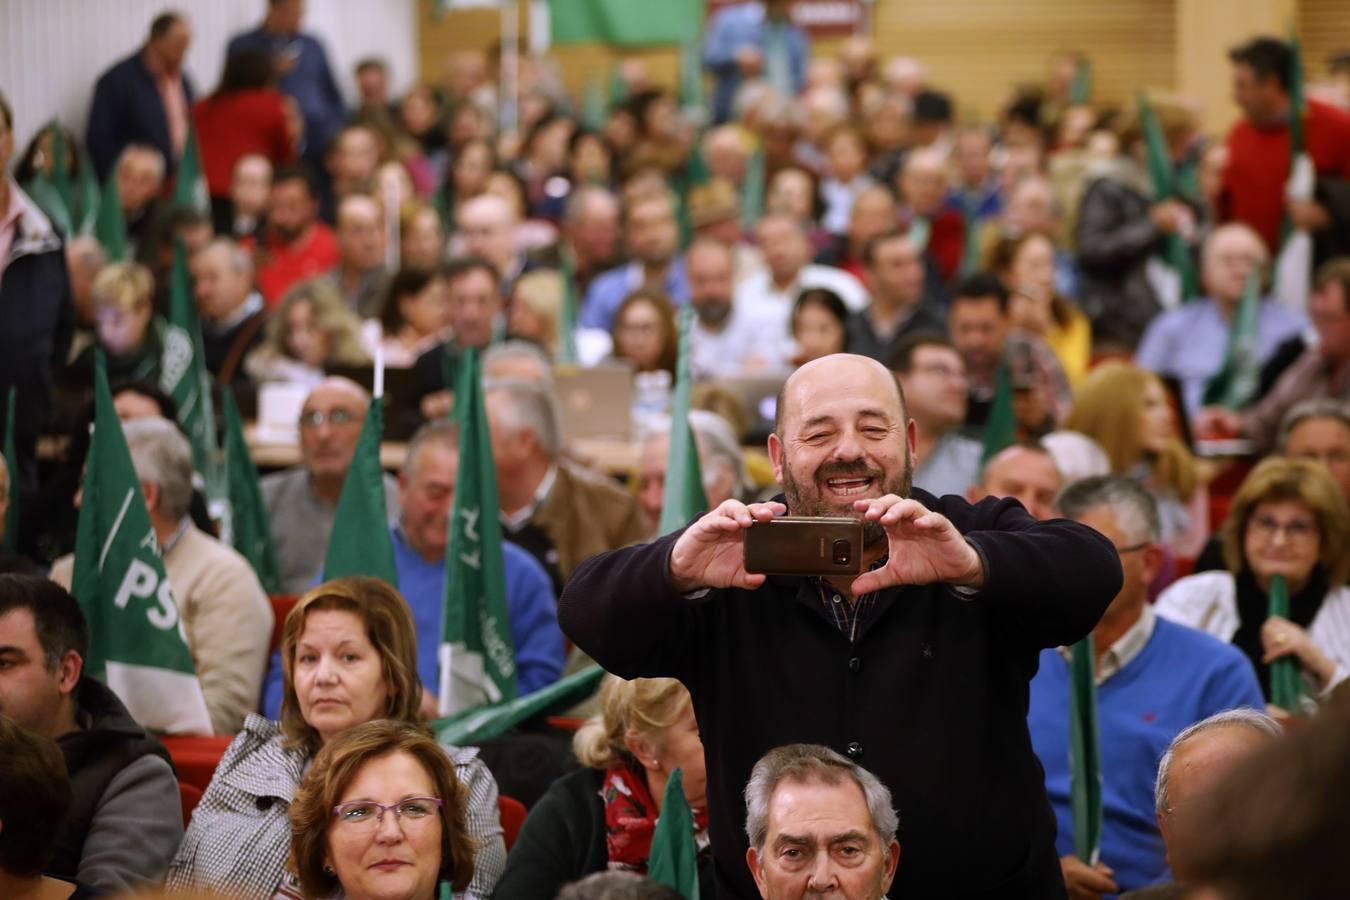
column 416, row 316
column 348, row 657
column 819, row 320
column 645, row 335
column 246, row 114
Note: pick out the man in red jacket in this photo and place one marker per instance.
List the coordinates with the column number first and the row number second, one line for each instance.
column 295, row 245
column 1258, row 149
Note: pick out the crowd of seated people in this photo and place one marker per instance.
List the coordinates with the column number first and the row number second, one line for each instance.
column 1117, row 360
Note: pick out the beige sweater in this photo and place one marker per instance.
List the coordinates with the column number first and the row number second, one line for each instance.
column 227, row 617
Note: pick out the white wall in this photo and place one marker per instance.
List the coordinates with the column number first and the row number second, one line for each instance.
column 52, row 51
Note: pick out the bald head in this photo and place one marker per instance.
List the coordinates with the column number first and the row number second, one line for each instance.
column 808, row 382
column 1025, row 472
column 330, row 423
column 1230, row 254
column 488, row 224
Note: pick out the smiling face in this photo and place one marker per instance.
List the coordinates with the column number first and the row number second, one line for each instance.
column 394, row 857
column 339, row 678
column 1282, row 538
column 821, row 843
column 842, row 436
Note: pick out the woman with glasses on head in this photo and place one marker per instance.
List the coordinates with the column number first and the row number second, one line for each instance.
column 348, row 657
column 1288, row 519
column 379, row 815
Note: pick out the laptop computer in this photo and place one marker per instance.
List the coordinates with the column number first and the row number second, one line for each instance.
column 402, row 414
column 595, row 402
column 758, row 396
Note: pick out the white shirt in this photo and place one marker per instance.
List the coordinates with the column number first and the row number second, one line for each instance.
column 757, row 295
column 749, row 343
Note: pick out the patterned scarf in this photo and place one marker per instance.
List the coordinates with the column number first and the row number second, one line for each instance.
column 630, row 819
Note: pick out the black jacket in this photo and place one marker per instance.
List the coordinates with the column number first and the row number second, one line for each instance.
column 932, row 697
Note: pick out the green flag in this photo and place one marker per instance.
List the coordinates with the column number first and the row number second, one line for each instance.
column 594, row 107
column 752, row 191
column 1085, row 771
column 1236, row 382
column 61, row 167
column 250, row 533
column 625, row 23
column 51, row 192
column 683, row 497
column 478, row 655
column 189, row 187
column 183, row 374
column 970, row 232
column 138, row 645
column 1080, row 89
column 674, row 858
column 618, row 86
column 87, row 195
column 1166, row 186
column 44, row 194
column 110, row 227
column 567, row 327
column 483, row 723
column 1000, row 429
column 360, row 543
column 691, row 80
column 12, row 466
column 1286, row 686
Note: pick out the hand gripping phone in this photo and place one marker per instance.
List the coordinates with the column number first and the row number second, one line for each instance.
column 805, row 545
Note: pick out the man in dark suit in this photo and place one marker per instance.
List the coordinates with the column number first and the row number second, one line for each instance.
column 918, row 668
column 144, row 99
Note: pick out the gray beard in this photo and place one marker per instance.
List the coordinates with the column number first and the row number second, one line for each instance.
column 800, row 504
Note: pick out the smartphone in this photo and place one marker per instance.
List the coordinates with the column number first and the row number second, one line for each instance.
column 805, row 545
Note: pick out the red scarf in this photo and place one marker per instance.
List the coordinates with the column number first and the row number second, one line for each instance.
column 630, row 819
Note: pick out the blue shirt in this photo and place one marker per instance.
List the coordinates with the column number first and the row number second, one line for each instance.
column 1189, row 343
column 1179, row 677
column 744, row 25
column 530, row 603
column 609, row 289
column 310, row 81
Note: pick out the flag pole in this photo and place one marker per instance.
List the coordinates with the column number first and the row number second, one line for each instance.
column 510, row 82
column 379, row 370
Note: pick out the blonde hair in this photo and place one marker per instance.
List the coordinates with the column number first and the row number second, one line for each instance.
column 124, row 286
column 645, row 707
column 542, row 293
column 389, row 628
column 332, row 317
column 1302, row 481
column 1107, row 407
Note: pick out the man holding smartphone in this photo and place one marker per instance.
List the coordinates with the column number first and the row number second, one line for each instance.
column 917, row 668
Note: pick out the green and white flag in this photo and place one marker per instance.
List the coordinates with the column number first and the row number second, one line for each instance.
column 1286, row 685
column 674, row 857
column 12, row 467
column 1235, row 384
column 248, row 530
column 683, row 496
column 110, row 226
column 626, row 23
column 189, row 187
column 52, row 193
column 1000, row 429
column 752, row 191
column 1085, row 767
column 478, row 654
column 691, row 82
column 1177, row 256
column 571, row 306
column 360, row 543
column 87, row 196
column 483, row 723
column 183, row 374
column 138, row 645
column 594, row 106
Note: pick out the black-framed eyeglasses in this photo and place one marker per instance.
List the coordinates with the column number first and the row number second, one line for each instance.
column 368, row 813
column 315, row 417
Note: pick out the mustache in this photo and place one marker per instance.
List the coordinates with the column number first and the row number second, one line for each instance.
column 846, row 470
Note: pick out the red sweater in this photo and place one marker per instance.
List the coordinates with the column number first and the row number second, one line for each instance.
column 1258, row 166
column 237, row 124
column 281, row 265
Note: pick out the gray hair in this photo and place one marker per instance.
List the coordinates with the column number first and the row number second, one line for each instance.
column 1321, row 408
column 517, row 350
column 531, row 408
column 1076, row 455
column 718, row 448
column 617, row 885
column 444, row 432
column 804, row 763
column 586, row 196
column 1230, row 718
column 146, row 149
column 162, row 456
column 1135, row 510
column 239, row 259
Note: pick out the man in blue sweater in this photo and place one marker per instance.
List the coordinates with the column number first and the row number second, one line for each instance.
column 1154, row 679
column 427, row 492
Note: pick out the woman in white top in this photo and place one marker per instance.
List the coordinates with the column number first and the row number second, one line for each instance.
column 1289, row 518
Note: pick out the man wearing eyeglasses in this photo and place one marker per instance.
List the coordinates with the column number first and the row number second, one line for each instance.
column 302, row 501
column 933, row 377
column 1155, row 678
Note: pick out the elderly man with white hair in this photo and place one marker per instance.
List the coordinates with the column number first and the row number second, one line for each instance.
column 232, row 312
column 1198, row 759
column 1189, row 343
column 224, row 609
column 719, row 456
column 302, row 501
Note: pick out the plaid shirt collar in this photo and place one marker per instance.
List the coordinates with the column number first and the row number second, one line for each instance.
column 850, row 617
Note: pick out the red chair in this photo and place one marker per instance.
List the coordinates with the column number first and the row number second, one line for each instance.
column 189, row 795
column 281, row 608
column 196, row 756
column 513, row 815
